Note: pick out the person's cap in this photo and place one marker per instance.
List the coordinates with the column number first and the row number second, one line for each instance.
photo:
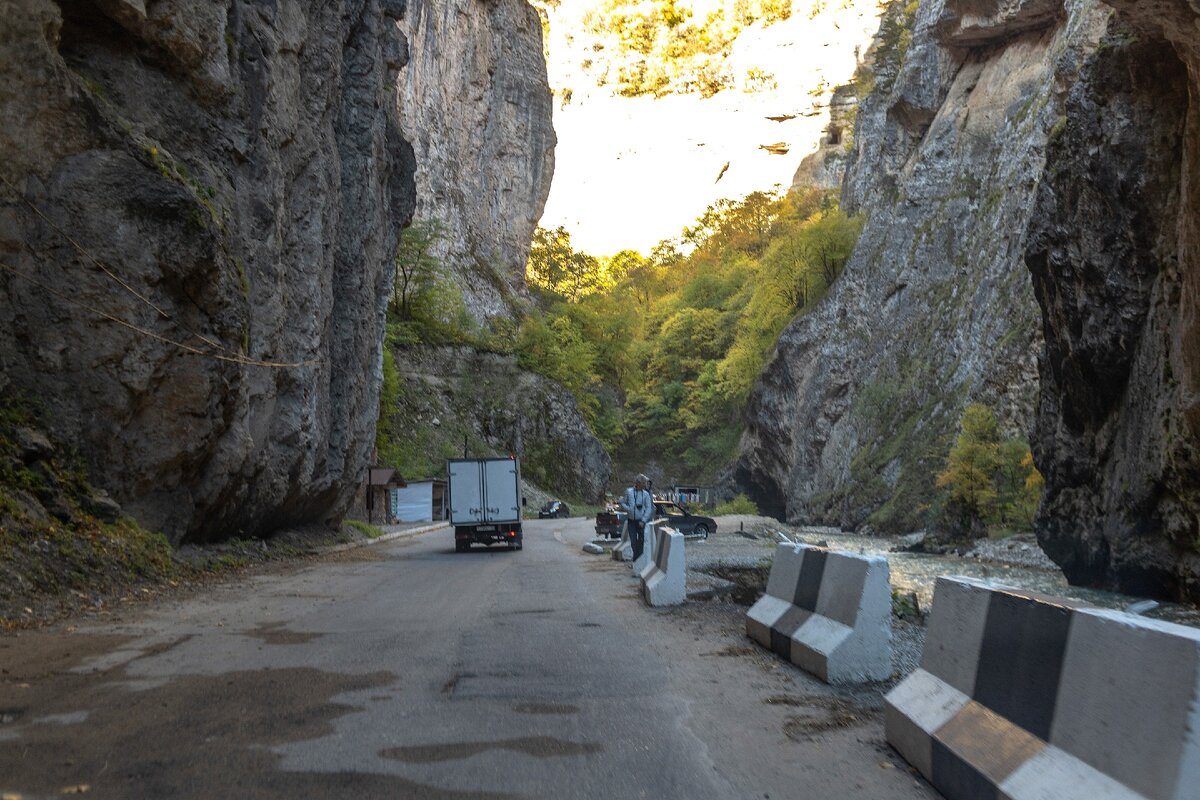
column 641, row 479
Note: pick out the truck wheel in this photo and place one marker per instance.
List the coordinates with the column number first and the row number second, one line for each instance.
column 461, row 547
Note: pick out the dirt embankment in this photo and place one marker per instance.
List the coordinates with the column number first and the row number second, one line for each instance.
column 67, row 548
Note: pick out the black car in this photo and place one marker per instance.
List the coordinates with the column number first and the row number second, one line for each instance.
column 682, row 520
column 555, row 509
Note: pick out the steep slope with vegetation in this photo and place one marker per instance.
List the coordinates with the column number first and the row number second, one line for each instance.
column 662, row 351
column 454, row 386
column 454, row 401
column 660, row 47
column 475, row 98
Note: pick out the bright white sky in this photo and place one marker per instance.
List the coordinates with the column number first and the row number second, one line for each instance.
column 630, row 172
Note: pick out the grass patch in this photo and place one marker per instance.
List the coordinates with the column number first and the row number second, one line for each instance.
column 365, row 528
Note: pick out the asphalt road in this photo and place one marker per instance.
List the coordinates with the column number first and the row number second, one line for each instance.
column 408, row 670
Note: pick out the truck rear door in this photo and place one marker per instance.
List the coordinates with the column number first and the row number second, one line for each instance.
column 501, row 490
column 466, row 492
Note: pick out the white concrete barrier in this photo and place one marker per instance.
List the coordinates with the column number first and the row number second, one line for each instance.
column 642, row 564
column 665, row 582
column 1022, row 696
column 623, row 550
column 829, row 613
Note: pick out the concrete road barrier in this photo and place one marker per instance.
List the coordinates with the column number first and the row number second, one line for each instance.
column 623, row 550
column 665, row 582
column 1022, row 696
column 643, row 564
column 829, row 613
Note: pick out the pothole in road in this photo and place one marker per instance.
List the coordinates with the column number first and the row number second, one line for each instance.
column 163, row 741
column 545, row 708
column 449, row 686
column 275, row 633
column 536, row 746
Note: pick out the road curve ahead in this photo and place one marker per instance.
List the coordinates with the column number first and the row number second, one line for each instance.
column 408, row 670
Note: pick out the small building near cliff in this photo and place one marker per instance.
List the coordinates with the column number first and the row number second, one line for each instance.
column 418, row 501
column 371, row 502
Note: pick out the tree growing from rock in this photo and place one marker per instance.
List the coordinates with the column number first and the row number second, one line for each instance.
column 416, row 266
column 989, row 481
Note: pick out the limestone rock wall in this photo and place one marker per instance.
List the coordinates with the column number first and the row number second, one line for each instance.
column 1114, row 251
column 825, row 167
column 854, row 415
column 476, row 104
column 235, row 178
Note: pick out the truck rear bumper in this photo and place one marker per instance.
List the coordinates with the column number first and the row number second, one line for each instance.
column 488, row 534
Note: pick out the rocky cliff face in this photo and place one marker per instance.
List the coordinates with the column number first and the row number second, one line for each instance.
column 1114, row 251
column 825, row 167
column 456, row 397
column 199, row 210
column 475, row 103
column 854, row 415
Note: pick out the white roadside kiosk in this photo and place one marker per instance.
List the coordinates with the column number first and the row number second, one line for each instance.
column 419, row 501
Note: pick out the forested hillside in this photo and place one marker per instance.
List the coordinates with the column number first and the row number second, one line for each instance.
column 662, row 350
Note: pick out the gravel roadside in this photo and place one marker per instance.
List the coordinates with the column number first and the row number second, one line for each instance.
column 730, row 569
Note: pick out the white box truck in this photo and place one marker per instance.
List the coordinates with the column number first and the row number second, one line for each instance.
column 485, row 501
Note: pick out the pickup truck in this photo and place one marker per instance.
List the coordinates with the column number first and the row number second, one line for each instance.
column 608, row 523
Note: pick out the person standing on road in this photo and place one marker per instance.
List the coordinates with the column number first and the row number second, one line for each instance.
column 638, row 506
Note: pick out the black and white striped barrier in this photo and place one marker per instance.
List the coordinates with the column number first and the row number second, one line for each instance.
column 1022, row 696
column 827, row 612
column 665, row 581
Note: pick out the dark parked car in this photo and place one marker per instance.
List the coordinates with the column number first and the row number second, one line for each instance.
column 682, row 520
column 555, row 509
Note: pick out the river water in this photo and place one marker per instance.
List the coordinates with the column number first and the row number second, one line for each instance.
column 917, row 572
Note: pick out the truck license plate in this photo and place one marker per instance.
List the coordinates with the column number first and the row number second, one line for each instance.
column 486, row 528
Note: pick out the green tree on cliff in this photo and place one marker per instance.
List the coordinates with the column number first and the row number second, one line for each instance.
column 555, row 265
column 989, row 480
column 417, row 269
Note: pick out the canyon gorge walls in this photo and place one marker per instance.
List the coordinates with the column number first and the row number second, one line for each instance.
column 476, row 105
column 1114, row 251
column 1029, row 172
column 200, row 207
column 854, row 416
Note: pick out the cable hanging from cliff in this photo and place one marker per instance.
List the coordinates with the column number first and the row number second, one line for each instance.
column 218, row 351
column 235, row 359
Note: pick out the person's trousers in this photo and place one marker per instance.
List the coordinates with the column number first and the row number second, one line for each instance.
column 637, row 538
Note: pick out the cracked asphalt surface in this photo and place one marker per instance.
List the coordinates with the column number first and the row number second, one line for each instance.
column 405, row 669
